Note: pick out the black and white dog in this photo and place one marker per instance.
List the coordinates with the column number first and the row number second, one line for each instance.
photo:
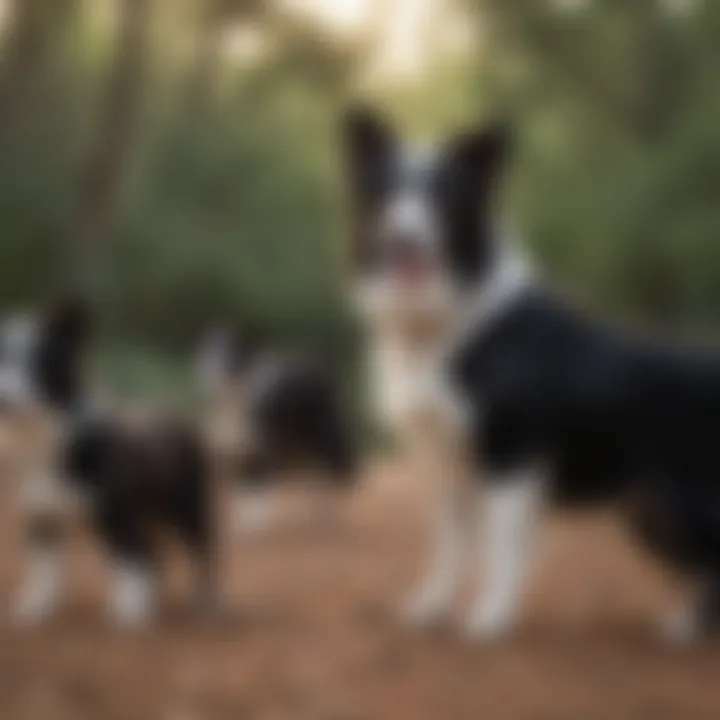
column 127, row 476
column 547, row 404
column 274, row 416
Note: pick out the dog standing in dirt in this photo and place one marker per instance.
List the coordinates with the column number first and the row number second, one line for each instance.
column 544, row 401
column 126, row 474
column 275, row 419
column 410, row 301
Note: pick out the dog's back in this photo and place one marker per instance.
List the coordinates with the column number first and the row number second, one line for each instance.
column 151, row 464
column 274, row 410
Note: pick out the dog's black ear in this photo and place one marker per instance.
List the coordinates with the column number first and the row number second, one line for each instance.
column 70, row 319
column 478, row 156
column 369, row 146
column 61, row 351
column 368, row 139
column 472, row 168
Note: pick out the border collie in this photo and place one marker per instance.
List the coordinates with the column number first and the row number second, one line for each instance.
column 141, row 474
column 546, row 403
column 127, row 476
column 274, row 417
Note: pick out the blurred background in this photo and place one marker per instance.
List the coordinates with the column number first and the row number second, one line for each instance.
column 178, row 160
column 178, row 157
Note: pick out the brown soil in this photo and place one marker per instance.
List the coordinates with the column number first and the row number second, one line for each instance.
column 312, row 636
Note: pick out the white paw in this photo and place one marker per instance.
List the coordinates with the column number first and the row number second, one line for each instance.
column 488, row 621
column 254, row 515
column 32, row 607
column 132, row 602
column 38, row 595
column 679, row 627
column 426, row 607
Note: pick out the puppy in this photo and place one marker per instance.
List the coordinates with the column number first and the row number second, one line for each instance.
column 75, row 463
column 140, row 474
column 544, row 403
column 274, row 418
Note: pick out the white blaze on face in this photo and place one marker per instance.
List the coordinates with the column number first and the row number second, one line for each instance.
column 410, row 217
column 409, row 222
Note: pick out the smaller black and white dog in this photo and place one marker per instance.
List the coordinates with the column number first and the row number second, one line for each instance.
column 275, row 416
column 546, row 402
column 129, row 477
column 140, row 475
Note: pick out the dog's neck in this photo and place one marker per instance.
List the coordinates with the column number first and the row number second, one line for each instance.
column 404, row 370
column 510, row 275
column 450, row 311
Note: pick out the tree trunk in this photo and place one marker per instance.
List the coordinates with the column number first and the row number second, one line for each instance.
column 102, row 181
column 204, row 72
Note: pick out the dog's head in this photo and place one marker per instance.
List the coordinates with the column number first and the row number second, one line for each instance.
column 224, row 363
column 41, row 358
column 225, row 358
column 423, row 217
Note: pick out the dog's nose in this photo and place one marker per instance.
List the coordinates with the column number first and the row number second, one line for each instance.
column 407, row 256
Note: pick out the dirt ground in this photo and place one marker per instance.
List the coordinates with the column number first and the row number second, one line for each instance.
column 310, row 635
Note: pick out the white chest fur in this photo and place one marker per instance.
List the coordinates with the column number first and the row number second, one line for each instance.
column 412, row 334
column 413, row 390
column 407, row 373
column 399, row 380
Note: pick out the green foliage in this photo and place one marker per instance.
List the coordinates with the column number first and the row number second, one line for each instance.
column 619, row 164
column 230, row 208
column 228, row 212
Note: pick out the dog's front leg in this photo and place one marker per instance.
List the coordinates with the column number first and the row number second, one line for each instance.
column 133, row 595
column 436, row 591
column 508, row 515
column 445, row 458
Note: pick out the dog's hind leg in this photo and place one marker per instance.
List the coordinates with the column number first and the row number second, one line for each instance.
column 41, row 585
column 193, row 514
column 127, row 534
column 200, row 533
column 203, row 544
